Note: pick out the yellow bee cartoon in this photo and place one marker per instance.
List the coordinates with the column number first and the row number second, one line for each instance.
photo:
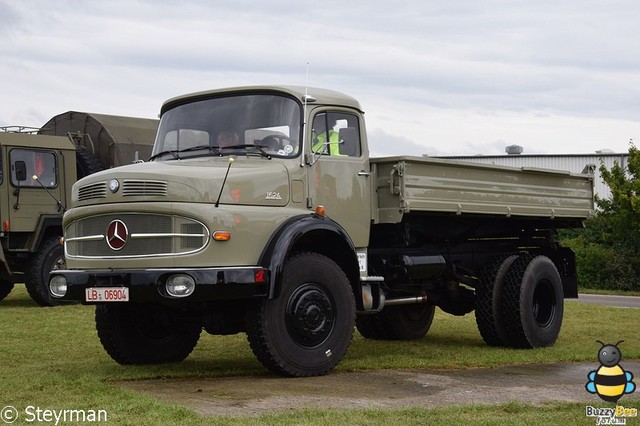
column 610, row 381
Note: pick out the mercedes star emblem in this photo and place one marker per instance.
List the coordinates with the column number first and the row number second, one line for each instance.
column 117, row 234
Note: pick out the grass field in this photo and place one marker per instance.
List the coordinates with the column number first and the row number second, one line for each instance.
column 51, row 358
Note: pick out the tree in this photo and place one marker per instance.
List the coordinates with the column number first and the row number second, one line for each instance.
column 608, row 248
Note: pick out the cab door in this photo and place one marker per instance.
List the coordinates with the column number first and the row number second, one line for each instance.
column 30, row 197
column 339, row 174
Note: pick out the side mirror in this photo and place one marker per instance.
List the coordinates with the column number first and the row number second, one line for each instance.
column 21, row 170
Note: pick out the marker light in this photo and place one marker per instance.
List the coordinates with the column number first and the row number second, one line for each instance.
column 321, row 211
column 221, row 235
column 180, row 285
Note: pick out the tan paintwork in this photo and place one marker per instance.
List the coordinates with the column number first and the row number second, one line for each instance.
column 35, row 202
column 406, row 184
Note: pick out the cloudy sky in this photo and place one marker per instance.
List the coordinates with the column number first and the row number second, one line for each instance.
column 458, row 77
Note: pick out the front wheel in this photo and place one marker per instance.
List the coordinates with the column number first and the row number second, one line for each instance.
column 5, row 289
column 307, row 329
column 146, row 334
column 50, row 256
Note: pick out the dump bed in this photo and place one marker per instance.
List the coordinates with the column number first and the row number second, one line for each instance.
column 420, row 184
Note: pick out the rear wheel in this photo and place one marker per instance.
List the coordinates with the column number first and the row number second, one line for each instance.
column 403, row 322
column 5, row 289
column 532, row 303
column 307, row 329
column 146, row 334
column 49, row 257
column 489, row 301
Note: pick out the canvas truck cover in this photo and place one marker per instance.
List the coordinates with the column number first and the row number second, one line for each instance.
column 113, row 139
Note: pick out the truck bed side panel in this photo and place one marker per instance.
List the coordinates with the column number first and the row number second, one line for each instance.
column 406, row 184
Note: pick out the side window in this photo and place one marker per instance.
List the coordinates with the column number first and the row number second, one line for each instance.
column 38, row 163
column 342, row 137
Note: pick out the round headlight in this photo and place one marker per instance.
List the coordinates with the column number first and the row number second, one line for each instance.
column 58, row 286
column 114, row 185
column 180, row 285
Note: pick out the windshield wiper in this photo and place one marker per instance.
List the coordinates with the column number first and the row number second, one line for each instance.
column 160, row 154
column 248, row 145
column 213, row 149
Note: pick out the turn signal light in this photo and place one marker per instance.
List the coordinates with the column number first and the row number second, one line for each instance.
column 321, row 211
column 5, row 225
column 221, row 235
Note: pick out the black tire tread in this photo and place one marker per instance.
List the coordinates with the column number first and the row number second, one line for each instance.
column 37, row 273
column 5, row 289
column 258, row 333
column 391, row 324
column 515, row 320
column 115, row 326
column 487, row 310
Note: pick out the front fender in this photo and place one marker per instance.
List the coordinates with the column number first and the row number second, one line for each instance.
column 308, row 233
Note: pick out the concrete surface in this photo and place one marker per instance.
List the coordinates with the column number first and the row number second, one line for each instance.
column 237, row 396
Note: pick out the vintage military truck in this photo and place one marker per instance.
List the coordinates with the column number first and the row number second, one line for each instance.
column 38, row 166
column 248, row 219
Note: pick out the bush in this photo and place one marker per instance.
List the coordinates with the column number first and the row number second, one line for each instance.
column 602, row 267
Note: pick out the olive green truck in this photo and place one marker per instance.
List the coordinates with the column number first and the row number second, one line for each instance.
column 38, row 166
column 261, row 212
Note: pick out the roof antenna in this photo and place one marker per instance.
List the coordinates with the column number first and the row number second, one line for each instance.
column 304, row 113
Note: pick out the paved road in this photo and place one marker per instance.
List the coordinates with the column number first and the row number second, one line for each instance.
column 602, row 299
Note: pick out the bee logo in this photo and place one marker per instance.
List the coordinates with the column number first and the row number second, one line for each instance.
column 610, row 381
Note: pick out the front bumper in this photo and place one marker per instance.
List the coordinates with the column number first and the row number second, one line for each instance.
column 149, row 285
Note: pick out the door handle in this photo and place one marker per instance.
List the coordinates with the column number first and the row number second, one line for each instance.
column 363, row 173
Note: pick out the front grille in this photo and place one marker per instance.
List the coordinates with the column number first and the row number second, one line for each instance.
column 147, row 235
column 91, row 191
column 133, row 188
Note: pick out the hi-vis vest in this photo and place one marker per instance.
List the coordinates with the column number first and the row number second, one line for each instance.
column 333, row 146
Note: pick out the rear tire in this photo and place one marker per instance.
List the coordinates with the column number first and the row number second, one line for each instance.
column 532, row 303
column 49, row 257
column 307, row 329
column 489, row 301
column 404, row 322
column 5, row 289
column 145, row 334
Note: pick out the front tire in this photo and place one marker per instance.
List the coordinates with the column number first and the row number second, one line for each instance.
column 146, row 334
column 307, row 329
column 532, row 303
column 50, row 256
column 5, row 289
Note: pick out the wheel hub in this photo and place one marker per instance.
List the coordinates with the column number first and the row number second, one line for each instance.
column 310, row 316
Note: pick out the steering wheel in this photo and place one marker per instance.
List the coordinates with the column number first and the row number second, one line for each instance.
column 272, row 142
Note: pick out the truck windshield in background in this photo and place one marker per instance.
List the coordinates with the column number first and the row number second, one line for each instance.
column 262, row 124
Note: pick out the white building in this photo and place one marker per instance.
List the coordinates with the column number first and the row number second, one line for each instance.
column 575, row 163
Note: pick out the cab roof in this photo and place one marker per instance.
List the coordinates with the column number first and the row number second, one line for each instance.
column 314, row 95
column 29, row 140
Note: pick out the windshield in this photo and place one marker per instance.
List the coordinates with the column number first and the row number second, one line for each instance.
column 263, row 125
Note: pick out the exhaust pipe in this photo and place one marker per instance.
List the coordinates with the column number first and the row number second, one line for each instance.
column 406, row 300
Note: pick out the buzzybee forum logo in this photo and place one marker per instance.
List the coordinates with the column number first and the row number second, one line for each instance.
column 610, row 382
